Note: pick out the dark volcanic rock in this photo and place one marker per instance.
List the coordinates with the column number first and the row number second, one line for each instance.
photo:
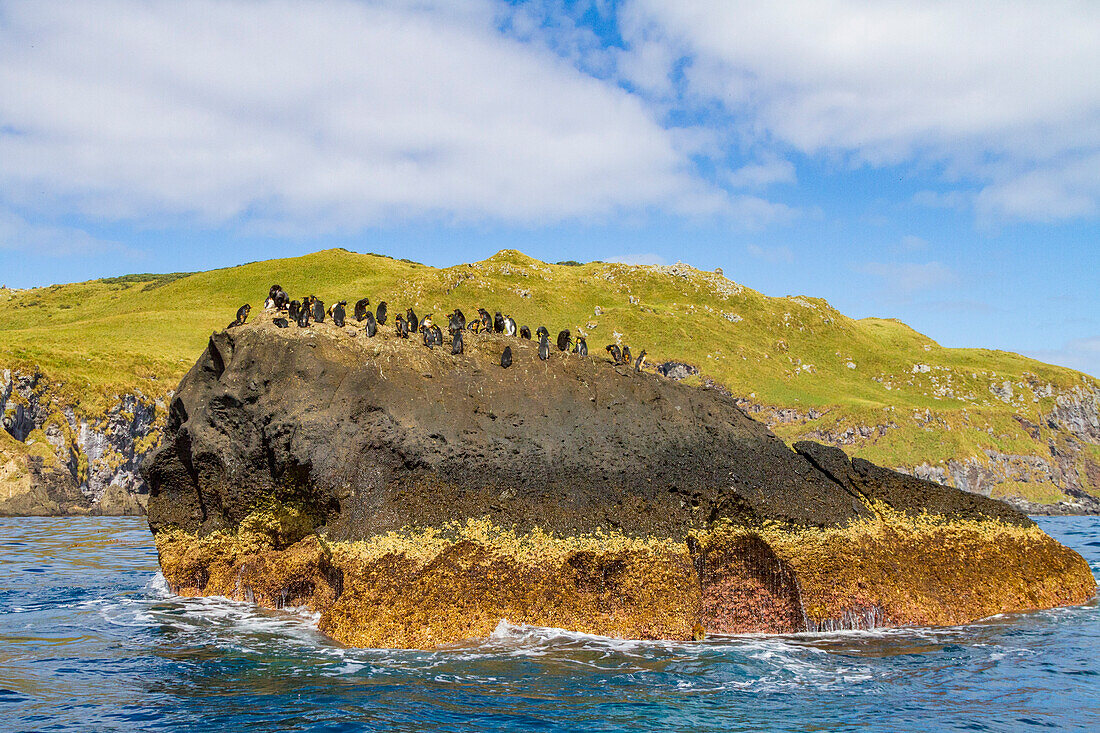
column 375, row 435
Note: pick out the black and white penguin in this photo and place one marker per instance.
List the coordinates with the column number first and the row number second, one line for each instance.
column 370, row 325
column 615, row 352
column 412, row 321
column 564, row 340
column 277, row 294
column 426, row 321
column 242, row 316
column 281, row 323
column 338, row 313
column 381, row 317
column 581, row 347
column 427, row 338
column 506, row 357
column 457, row 346
column 498, row 323
column 474, row 326
column 639, row 361
column 627, row 358
column 509, row 326
column 269, row 304
column 525, row 333
column 292, row 309
column 437, row 334
column 544, row 347
column 542, row 332
column 361, row 306
column 303, row 316
column 486, row 320
column 402, row 328
column 318, row 310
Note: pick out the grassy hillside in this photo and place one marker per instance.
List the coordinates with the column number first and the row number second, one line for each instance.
column 915, row 401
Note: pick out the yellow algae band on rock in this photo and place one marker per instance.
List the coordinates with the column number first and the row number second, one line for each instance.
column 414, row 498
column 430, row 587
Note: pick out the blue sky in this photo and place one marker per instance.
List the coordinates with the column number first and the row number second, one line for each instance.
column 934, row 162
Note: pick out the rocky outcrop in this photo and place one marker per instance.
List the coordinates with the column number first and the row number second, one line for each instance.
column 414, row 498
column 91, row 463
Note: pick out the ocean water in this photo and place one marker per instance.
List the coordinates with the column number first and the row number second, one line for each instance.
column 91, row 640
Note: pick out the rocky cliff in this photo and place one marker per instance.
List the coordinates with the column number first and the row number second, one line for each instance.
column 415, row 498
column 55, row 458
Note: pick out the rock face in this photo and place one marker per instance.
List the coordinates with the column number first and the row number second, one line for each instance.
column 415, row 498
column 61, row 460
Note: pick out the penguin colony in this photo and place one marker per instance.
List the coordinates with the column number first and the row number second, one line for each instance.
column 311, row 309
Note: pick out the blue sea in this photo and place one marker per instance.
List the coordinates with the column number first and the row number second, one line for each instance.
column 90, row 640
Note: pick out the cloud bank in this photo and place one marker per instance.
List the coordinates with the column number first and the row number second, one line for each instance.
column 316, row 116
column 1004, row 96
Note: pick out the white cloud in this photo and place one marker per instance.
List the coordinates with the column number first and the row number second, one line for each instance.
column 760, row 175
column 19, row 235
column 1005, row 96
column 320, row 116
column 1081, row 354
column 771, row 254
column 909, row 278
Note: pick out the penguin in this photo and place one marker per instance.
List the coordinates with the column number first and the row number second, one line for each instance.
column 426, row 337
column 509, row 326
column 498, row 323
column 381, row 318
column 361, row 308
column 581, row 348
column 437, row 334
column 544, row 347
column 292, row 310
column 281, row 323
column 456, row 344
column 525, row 333
column 303, row 317
column 426, row 321
column 563, row 340
column 542, row 332
column 454, row 325
column 486, row 320
column 474, row 326
column 269, row 304
column 277, row 294
column 639, row 361
column 412, row 321
column 318, row 310
column 506, row 357
column 338, row 313
column 402, row 329
column 242, row 316
column 370, row 325
column 627, row 358
column 616, row 354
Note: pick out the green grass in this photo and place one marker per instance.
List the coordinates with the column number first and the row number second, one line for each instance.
column 98, row 339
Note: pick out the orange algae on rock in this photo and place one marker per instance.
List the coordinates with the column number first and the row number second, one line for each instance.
column 414, row 590
column 432, row 587
column 900, row 570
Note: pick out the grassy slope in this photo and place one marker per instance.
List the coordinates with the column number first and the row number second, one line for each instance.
column 106, row 337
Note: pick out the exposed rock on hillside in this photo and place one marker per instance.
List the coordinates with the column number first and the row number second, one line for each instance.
column 415, row 498
column 62, row 461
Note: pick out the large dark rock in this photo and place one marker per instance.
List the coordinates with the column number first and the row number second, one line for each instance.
column 378, row 434
column 568, row 492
